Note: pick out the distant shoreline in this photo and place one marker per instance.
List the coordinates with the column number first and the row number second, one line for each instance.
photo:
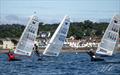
column 63, row 50
column 41, row 50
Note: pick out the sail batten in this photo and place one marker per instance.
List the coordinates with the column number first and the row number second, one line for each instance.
column 110, row 38
column 58, row 38
column 27, row 39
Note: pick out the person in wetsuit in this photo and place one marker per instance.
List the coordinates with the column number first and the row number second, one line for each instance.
column 36, row 51
column 11, row 56
column 94, row 57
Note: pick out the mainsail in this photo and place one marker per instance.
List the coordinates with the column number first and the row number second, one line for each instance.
column 56, row 42
column 26, row 42
column 110, row 38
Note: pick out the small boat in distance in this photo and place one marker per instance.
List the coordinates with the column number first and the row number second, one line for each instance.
column 110, row 39
column 56, row 42
column 27, row 39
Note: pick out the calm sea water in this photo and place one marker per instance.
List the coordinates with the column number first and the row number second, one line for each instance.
column 64, row 64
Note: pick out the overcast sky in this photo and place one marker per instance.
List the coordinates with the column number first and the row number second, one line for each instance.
column 50, row 11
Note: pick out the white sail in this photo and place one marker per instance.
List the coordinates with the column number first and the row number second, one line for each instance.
column 26, row 42
column 56, row 42
column 109, row 41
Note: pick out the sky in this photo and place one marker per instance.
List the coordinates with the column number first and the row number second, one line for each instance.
column 53, row 11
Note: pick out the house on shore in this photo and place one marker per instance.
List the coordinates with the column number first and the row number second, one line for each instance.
column 43, row 39
column 8, row 43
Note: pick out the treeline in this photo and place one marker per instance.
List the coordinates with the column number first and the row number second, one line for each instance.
column 11, row 30
column 77, row 29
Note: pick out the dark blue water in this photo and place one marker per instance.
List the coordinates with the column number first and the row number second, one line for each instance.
column 64, row 64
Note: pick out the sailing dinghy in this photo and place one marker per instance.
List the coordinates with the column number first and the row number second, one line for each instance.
column 56, row 42
column 109, row 42
column 26, row 42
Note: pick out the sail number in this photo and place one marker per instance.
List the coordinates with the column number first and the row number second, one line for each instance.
column 31, row 29
column 62, row 38
column 64, row 31
column 30, row 37
column 112, row 36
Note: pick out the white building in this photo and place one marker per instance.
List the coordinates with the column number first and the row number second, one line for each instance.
column 8, row 44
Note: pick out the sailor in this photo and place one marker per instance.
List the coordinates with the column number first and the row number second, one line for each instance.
column 93, row 56
column 11, row 56
column 37, row 52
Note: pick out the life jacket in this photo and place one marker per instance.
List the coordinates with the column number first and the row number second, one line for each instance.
column 11, row 56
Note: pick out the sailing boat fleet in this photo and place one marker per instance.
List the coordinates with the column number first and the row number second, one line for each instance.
column 27, row 40
column 107, row 46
